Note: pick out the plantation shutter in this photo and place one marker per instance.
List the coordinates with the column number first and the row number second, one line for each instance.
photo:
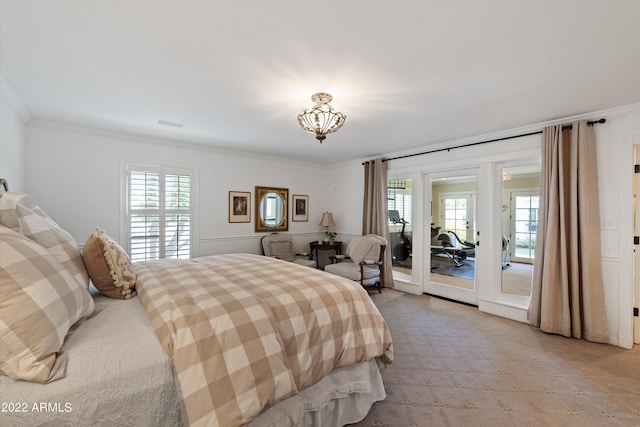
column 399, row 197
column 159, row 213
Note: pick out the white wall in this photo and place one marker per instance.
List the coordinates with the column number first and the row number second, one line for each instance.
column 345, row 186
column 13, row 118
column 75, row 175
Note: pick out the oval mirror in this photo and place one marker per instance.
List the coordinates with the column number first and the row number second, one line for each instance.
column 271, row 209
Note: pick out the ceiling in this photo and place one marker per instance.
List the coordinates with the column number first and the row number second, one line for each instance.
column 236, row 73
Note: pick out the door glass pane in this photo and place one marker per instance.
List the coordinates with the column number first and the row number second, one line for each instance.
column 526, row 225
column 455, row 214
column 452, row 252
column 519, row 224
column 400, row 203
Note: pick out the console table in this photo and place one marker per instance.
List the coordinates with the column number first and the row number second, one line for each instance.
column 324, row 246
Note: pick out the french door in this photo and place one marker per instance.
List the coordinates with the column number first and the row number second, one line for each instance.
column 457, row 211
column 524, row 225
column 450, row 266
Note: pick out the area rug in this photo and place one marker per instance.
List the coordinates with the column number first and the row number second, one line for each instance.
column 454, row 365
column 466, row 271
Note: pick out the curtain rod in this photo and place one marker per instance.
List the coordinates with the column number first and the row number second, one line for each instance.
column 566, row 127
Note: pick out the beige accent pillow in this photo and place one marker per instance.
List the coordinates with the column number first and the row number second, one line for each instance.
column 8, row 215
column 40, row 228
column 39, row 302
column 283, row 250
column 109, row 266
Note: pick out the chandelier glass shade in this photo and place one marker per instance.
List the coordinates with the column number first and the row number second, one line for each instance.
column 322, row 118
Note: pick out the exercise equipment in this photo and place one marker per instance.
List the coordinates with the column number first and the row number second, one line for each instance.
column 402, row 250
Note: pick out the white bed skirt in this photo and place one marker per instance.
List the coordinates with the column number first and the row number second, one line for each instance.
column 343, row 397
column 117, row 374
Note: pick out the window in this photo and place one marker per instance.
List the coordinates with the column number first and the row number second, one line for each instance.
column 458, row 215
column 525, row 225
column 159, row 216
column 399, row 198
column 399, row 202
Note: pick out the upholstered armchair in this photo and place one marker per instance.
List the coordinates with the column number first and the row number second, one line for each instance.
column 362, row 262
column 281, row 246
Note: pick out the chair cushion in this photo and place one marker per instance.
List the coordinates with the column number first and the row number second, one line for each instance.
column 306, row 262
column 282, row 250
column 281, row 246
column 352, row 271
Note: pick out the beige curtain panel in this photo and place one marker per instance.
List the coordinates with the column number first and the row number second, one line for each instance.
column 568, row 294
column 375, row 215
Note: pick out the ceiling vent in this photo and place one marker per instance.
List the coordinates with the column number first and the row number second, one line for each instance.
column 169, row 123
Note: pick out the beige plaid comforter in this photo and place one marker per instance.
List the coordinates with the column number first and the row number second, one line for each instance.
column 246, row 331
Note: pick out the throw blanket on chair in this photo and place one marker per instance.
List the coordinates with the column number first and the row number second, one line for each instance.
column 246, row 331
column 366, row 248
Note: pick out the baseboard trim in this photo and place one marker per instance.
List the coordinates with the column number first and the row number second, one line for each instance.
column 508, row 311
column 408, row 287
column 623, row 340
column 451, row 300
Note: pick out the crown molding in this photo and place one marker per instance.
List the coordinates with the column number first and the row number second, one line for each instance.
column 158, row 140
column 502, row 134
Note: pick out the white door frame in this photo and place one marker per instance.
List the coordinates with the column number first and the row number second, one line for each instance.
column 636, row 251
column 468, row 296
column 626, row 248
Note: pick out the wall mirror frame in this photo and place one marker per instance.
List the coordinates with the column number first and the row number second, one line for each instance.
column 272, row 209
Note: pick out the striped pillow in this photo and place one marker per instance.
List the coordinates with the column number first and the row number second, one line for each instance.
column 40, row 228
column 8, row 214
column 39, row 302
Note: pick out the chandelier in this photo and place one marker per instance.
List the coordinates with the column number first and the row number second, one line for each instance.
column 322, row 118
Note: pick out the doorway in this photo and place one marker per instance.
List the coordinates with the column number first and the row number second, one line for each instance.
column 520, row 201
column 452, row 241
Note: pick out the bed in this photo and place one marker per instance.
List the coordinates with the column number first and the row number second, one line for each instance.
column 227, row 340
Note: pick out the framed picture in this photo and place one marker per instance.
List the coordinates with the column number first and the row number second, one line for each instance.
column 239, row 206
column 300, row 208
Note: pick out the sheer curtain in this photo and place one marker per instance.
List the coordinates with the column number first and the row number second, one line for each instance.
column 568, row 294
column 374, row 215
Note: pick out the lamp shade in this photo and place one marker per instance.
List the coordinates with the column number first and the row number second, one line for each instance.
column 327, row 220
